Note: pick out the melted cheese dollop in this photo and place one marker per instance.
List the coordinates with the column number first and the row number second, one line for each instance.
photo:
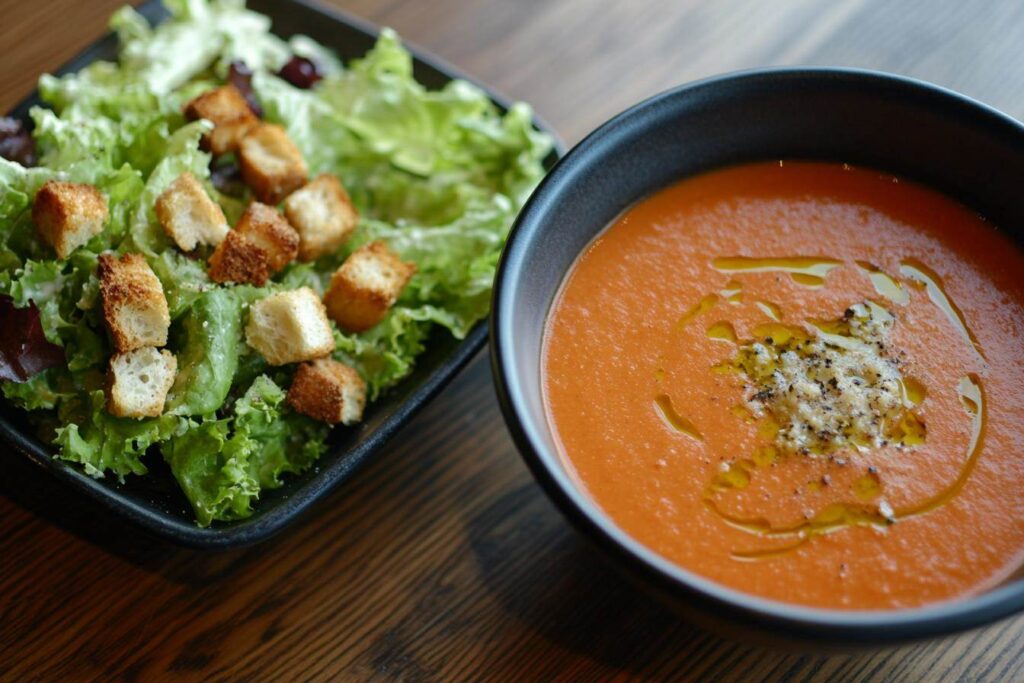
column 833, row 386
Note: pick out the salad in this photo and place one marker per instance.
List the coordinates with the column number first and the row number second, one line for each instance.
column 225, row 243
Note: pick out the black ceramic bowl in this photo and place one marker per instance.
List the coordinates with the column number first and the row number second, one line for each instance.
column 156, row 503
column 913, row 129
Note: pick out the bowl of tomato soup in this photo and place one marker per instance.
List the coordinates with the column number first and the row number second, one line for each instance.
column 759, row 338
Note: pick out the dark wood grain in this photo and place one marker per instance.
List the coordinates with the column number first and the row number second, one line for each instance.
column 442, row 560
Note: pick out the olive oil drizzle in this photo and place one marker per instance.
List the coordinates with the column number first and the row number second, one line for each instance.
column 706, row 303
column 674, row 420
column 809, row 271
column 936, row 292
column 722, row 331
column 838, row 516
column 885, row 284
column 806, row 280
column 872, row 511
column 972, row 395
column 768, row 553
column 913, row 392
column 733, row 292
column 773, row 311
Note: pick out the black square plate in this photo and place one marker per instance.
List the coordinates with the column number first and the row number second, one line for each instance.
column 155, row 502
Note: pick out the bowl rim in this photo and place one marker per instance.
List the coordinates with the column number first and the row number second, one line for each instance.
column 727, row 604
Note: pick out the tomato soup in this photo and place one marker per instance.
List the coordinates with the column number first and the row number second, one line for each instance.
column 803, row 381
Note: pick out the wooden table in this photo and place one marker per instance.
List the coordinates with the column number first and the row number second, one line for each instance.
column 442, row 560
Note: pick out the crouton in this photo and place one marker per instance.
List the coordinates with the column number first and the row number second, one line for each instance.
column 260, row 245
column 265, row 227
column 138, row 382
column 328, row 391
column 272, row 166
column 239, row 260
column 322, row 214
column 134, row 305
column 365, row 286
column 67, row 215
column 230, row 115
column 289, row 327
column 189, row 216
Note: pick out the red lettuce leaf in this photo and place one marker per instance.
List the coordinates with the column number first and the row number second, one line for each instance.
column 16, row 143
column 24, row 349
column 240, row 76
column 227, row 178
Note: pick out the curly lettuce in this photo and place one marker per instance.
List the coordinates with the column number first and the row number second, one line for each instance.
column 223, row 464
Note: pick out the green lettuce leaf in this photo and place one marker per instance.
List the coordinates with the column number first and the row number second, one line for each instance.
column 217, row 485
column 41, row 392
column 386, row 353
column 223, row 464
column 210, row 338
column 279, row 441
column 18, row 186
column 103, row 443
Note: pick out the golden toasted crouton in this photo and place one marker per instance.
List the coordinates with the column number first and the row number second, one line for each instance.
column 365, row 286
column 328, row 391
column 138, row 382
column 260, row 245
column 289, row 327
column 67, row 215
column 230, row 115
column 265, row 227
column 272, row 166
column 134, row 305
column 189, row 216
column 239, row 260
column 322, row 214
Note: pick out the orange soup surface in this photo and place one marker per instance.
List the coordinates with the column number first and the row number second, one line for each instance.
column 803, row 381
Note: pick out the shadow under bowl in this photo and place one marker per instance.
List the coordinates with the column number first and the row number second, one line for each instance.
column 913, row 129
